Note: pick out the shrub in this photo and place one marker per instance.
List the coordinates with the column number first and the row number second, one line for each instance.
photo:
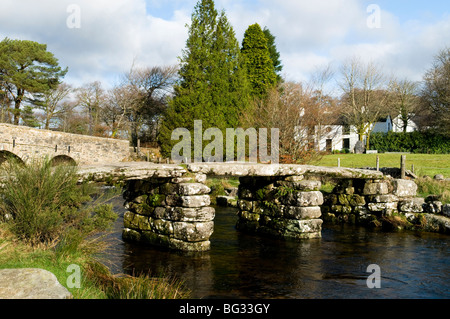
column 44, row 203
column 414, row 142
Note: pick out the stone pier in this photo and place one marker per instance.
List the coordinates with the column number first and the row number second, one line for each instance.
column 169, row 212
column 285, row 207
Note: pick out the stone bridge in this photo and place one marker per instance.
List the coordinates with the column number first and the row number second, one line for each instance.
column 26, row 143
column 170, row 206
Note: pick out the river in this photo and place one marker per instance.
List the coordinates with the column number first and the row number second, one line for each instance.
column 411, row 264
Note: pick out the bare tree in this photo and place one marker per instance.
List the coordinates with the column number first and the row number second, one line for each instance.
column 91, row 97
column 120, row 101
column 294, row 109
column 149, row 89
column 404, row 100
column 436, row 92
column 51, row 102
column 365, row 98
column 70, row 120
column 323, row 108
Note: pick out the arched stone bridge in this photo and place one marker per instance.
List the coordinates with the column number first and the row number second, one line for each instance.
column 169, row 205
column 26, row 143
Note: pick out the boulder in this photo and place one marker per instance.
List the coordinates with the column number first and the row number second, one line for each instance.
column 306, row 199
column 404, row 188
column 195, row 201
column 446, row 210
column 377, row 188
column 434, row 207
column 193, row 189
column 295, row 212
column 193, row 232
column 411, row 205
column 31, row 283
column 359, row 147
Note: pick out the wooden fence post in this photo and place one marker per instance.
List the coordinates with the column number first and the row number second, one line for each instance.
column 403, row 167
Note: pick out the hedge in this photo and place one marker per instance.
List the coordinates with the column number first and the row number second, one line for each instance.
column 413, row 142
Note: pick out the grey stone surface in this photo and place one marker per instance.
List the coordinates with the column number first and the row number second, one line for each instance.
column 383, row 198
column 250, row 169
column 446, row 210
column 411, row 205
column 195, row 201
column 303, row 185
column 193, row 189
column 433, row 207
column 193, row 232
column 404, row 188
column 295, row 212
column 436, row 223
column 31, row 283
column 129, row 171
column 376, row 188
column 359, row 147
column 183, row 214
column 306, row 199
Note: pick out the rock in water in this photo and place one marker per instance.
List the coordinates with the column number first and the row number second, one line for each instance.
column 31, row 283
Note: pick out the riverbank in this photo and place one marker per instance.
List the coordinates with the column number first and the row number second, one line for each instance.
column 95, row 281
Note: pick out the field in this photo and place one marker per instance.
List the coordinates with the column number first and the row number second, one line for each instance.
column 424, row 164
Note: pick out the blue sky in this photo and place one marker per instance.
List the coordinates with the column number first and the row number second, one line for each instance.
column 309, row 34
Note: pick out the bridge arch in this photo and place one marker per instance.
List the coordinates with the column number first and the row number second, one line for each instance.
column 7, row 156
column 63, row 160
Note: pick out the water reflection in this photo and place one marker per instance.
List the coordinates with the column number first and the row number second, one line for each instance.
column 413, row 265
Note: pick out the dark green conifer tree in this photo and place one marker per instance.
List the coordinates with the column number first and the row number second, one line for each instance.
column 212, row 84
column 274, row 54
column 260, row 68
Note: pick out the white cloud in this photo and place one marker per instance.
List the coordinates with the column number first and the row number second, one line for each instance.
column 111, row 36
column 308, row 33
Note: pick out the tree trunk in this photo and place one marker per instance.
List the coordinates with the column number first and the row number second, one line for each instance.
column 368, row 141
column 16, row 112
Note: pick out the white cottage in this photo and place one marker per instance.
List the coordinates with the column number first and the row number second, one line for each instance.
column 397, row 124
column 339, row 137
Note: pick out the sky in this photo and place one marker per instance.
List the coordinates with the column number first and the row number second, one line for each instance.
column 99, row 40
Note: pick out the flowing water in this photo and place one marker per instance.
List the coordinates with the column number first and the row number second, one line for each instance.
column 412, row 265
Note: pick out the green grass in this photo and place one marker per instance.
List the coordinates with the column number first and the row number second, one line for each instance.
column 424, row 164
column 428, row 186
column 219, row 184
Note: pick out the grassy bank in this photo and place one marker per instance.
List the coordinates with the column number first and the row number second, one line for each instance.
column 47, row 221
column 424, row 164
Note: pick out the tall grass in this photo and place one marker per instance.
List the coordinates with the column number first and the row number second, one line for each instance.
column 143, row 286
column 439, row 188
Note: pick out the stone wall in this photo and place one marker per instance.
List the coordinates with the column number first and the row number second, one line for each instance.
column 169, row 212
column 390, row 203
column 284, row 207
column 28, row 143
